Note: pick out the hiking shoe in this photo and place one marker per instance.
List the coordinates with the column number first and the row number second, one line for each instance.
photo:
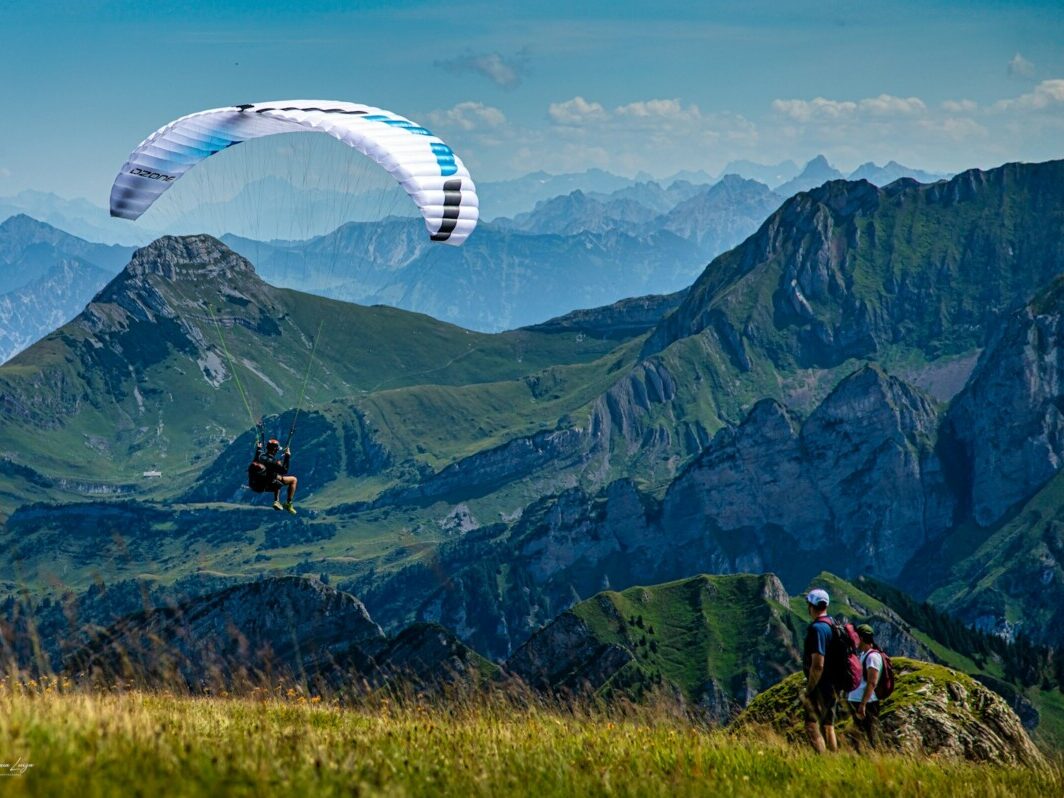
column 288, row 506
column 278, row 506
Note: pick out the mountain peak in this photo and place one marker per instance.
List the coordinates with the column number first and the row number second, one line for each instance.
column 846, row 197
column 195, row 257
column 25, row 225
column 819, row 162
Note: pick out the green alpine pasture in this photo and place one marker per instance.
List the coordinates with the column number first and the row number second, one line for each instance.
column 60, row 743
column 693, row 631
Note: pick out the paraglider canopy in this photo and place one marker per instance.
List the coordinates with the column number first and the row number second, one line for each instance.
column 426, row 167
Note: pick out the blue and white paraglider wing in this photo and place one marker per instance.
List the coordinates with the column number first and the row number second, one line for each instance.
column 426, row 167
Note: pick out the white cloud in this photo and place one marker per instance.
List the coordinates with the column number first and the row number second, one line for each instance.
column 888, row 105
column 824, row 109
column 468, row 115
column 1046, row 95
column 960, row 106
column 577, row 111
column 817, row 108
column 662, row 109
column 1020, row 67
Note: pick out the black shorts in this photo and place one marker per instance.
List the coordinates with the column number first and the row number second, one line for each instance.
column 266, row 484
column 822, row 709
column 871, row 712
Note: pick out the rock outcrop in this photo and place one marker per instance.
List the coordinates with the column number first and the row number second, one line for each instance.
column 934, row 711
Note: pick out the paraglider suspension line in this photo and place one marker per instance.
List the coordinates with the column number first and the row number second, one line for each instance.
column 303, row 390
column 236, row 375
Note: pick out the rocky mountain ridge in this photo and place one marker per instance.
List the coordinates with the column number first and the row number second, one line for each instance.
column 286, row 629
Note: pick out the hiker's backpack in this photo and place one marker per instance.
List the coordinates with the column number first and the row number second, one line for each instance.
column 258, row 477
column 842, row 663
column 885, row 685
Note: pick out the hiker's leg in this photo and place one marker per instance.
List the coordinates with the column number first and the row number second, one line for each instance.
column 830, row 740
column 291, row 482
column 813, row 713
column 276, row 494
column 812, row 732
column 829, row 703
column 872, row 724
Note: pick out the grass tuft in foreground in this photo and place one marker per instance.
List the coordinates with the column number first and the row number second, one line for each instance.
column 132, row 743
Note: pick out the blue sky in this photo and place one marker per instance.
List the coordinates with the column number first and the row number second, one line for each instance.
column 548, row 85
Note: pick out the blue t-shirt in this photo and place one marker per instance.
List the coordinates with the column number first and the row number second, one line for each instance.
column 817, row 638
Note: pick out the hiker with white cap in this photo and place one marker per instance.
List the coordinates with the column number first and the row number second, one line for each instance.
column 819, row 698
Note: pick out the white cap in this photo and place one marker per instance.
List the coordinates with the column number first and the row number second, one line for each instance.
column 817, row 596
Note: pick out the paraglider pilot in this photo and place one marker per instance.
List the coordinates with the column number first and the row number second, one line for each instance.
column 274, row 465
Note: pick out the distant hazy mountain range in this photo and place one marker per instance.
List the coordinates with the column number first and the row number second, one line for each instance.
column 270, row 207
column 48, row 276
column 591, row 239
column 574, row 251
column 78, row 217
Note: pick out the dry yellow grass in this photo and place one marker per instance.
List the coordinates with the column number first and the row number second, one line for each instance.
column 85, row 744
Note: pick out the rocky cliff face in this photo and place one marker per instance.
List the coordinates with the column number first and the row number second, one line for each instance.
column 934, row 711
column 857, row 484
column 1008, row 421
column 1004, row 440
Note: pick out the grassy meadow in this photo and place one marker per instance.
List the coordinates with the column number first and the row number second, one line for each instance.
column 282, row 742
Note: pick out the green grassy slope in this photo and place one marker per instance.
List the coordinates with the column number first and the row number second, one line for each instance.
column 1013, row 570
column 697, row 630
column 114, row 393
column 81, row 745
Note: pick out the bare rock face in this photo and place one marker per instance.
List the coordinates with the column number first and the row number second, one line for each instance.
column 1008, row 420
column 858, row 481
column 188, row 258
column 939, row 711
column 933, row 711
